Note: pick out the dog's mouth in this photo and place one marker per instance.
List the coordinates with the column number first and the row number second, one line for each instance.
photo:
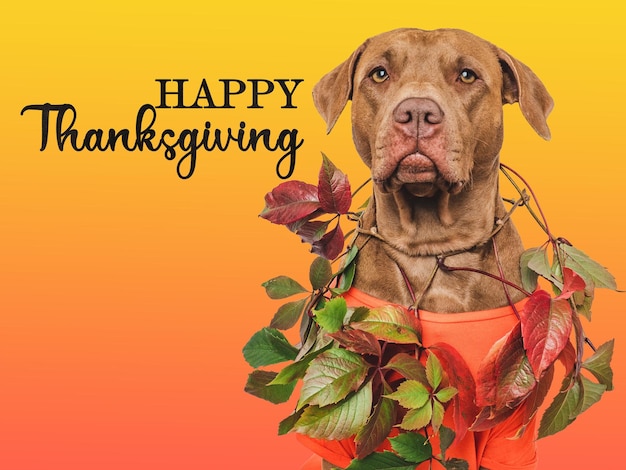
column 419, row 175
column 416, row 168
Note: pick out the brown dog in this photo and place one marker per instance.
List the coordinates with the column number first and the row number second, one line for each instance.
column 427, row 120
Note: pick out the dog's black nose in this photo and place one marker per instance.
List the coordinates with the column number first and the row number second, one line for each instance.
column 418, row 115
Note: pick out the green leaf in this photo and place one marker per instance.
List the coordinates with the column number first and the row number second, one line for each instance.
column 583, row 301
column 378, row 426
column 346, row 280
column 434, row 371
column 297, row 370
column 446, row 438
column 348, row 260
column 288, row 423
column 320, row 273
column 535, row 257
column 600, row 364
column 331, row 316
column 282, row 287
column 268, row 346
column 258, row 385
column 410, row 394
column 446, row 394
column 438, row 412
column 464, row 408
column 390, row 323
column 331, row 377
column 381, row 461
column 408, row 366
column 290, row 373
column 588, row 269
column 346, row 273
column 563, row 410
column 418, row 418
column 358, row 314
column 288, row 314
column 412, row 447
column 338, row 421
column 592, row 392
column 308, row 336
column 537, row 261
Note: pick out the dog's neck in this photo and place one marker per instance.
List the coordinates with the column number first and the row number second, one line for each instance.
column 443, row 223
column 410, row 235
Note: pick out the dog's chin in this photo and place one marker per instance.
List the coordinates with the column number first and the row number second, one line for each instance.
column 419, row 176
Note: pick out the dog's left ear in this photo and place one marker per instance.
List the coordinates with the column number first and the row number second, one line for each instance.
column 521, row 85
column 333, row 91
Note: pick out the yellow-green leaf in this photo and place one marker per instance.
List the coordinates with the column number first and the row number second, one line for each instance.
column 410, row 394
column 390, row 323
column 332, row 376
column 338, row 421
column 419, row 418
column 446, row 394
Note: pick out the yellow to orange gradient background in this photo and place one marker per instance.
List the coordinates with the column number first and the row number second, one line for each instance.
column 127, row 294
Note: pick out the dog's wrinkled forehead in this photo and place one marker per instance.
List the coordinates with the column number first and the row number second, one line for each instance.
column 422, row 52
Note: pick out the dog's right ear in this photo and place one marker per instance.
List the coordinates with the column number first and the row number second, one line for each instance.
column 523, row 86
column 333, row 91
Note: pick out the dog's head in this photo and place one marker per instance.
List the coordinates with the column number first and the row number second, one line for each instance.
column 427, row 106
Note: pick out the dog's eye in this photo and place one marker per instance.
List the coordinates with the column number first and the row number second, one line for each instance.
column 379, row 75
column 468, row 76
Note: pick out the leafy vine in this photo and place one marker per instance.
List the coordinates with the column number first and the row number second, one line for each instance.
column 364, row 371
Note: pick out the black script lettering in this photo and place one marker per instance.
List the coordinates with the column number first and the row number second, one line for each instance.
column 145, row 135
column 187, row 141
column 287, row 140
column 45, row 118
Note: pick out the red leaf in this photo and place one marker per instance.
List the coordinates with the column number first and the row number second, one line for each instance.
column 572, row 282
column 546, row 327
column 408, row 367
column 460, row 377
column 377, row 429
column 300, row 223
column 568, row 357
column 357, row 341
column 333, row 189
column 330, row 245
column 489, row 417
column 313, row 231
column 486, row 376
column 515, row 375
column 289, row 202
column 505, row 377
column 535, row 399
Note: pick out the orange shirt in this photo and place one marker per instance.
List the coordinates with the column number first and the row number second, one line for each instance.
column 472, row 334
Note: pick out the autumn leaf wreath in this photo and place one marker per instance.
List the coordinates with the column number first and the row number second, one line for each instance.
column 364, row 371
